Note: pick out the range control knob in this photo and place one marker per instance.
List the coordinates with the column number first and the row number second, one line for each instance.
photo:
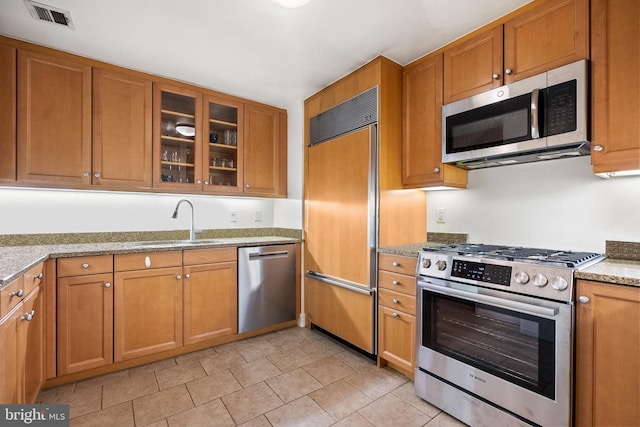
column 559, row 283
column 426, row 262
column 441, row 265
column 521, row 277
column 539, row 280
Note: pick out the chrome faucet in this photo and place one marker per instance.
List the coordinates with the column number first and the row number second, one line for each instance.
column 192, row 231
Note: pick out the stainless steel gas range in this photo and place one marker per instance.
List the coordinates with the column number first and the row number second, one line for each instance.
column 494, row 329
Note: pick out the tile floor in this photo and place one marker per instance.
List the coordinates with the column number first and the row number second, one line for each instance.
column 294, row 377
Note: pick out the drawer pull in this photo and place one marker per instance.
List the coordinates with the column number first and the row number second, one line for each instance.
column 38, row 277
column 85, row 265
column 147, row 262
column 17, row 293
column 395, row 314
column 107, row 285
column 395, row 301
column 187, row 276
column 29, row 316
column 395, row 264
column 178, row 277
column 395, row 282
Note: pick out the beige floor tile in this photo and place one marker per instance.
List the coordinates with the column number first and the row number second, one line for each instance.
column 294, row 384
column 113, row 377
column 287, row 341
column 195, row 355
column 212, row 387
column 354, row 420
column 179, row 374
column 253, row 349
column 323, row 347
column 247, row 404
column 161, row 423
column 356, row 360
column 128, row 389
column 119, row 415
column 300, row 412
column 329, row 369
column 407, row 393
column 54, row 393
column 157, row 406
column 255, row 371
column 153, row 366
column 340, row 399
column 222, row 361
column 80, row 403
column 260, row 421
column 445, row 420
column 212, row 414
column 291, row 359
column 392, row 411
column 376, row 384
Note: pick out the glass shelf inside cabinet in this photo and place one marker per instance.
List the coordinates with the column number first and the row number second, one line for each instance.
column 177, row 136
column 223, row 145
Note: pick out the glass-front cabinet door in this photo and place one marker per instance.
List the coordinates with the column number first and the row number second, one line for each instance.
column 222, row 161
column 177, row 138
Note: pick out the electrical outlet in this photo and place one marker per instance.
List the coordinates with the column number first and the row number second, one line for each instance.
column 257, row 216
column 440, row 215
column 233, row 216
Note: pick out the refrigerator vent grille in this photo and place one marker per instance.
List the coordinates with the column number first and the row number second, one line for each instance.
column 353, row 114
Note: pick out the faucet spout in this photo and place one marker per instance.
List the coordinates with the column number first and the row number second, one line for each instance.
column 192, row 230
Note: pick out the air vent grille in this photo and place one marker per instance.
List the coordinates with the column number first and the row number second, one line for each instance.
column 43, row 12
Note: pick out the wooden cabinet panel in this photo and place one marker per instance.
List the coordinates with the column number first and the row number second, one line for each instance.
column 474, row 66
column 11, row 295
column 148, row 260
column 9, row 362
column 85, row 322
column 31, row 346
column 396, row 337
column 147, row 312
column 8, row 81
column 54, row 117
column 546, row 37
column 79, row 266
column 210, row 301
column 607, row 349
column 615, row 83
column 397, row 301
column 265, row 160
column 397, row 264
column 397, row 282
column 122, row 130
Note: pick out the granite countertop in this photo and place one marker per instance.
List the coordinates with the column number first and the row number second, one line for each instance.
column 15, row 260
column 617, row 271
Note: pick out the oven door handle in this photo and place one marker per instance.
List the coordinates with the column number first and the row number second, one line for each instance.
column 520, row 307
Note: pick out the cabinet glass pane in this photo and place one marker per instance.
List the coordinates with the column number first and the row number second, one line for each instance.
column 177, row 135
column 223, row 145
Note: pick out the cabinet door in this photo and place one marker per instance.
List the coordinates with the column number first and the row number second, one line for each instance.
column 546, row 37
column 9, row 363
column 396, row 337
column 147, row 312
column 8, row 113
column 31, row 346
column 265, row 152
column 210, row 301
column 85, row 322
column 607, row 349
column 474, row 66
column 177, row 140
column 54, row 120
column 122, row 112
column 223, row 154
column 615, row 83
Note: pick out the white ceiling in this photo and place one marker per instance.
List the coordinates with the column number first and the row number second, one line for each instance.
column 253, row 48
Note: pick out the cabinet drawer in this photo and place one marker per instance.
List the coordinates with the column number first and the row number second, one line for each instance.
column 79, row 266
column 32, row 278
column 397, row 264
column 397, row 301
column 397, row 282
column 209, row 256
column 7, row 300
column 143, row 261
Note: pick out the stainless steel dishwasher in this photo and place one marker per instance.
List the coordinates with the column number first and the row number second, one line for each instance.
column 266, row 286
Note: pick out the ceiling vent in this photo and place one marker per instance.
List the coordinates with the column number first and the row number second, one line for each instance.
column 54, row 15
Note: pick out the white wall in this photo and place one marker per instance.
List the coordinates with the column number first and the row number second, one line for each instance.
column 556, row 204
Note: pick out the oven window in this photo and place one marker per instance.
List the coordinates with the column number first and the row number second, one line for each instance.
column 514, row 346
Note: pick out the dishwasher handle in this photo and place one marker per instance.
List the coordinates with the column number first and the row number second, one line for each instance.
column 269, row 255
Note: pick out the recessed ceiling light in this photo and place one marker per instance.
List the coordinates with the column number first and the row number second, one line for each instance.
column 290, row 3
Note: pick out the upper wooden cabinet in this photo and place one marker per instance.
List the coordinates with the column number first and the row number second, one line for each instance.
column 544, row 37
column 122, row 106
column 8, row 113
column 615, row 84
column 54, row 120
column 421, row 131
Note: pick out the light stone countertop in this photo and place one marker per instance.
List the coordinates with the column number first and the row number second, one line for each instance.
column 616, row 271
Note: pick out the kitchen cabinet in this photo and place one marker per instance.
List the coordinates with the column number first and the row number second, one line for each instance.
column 538, row 39
column 147, row 304
column 122, row 130
column 210, row 294
column 85, row 313
column 31, row 346
column 607, row 349
column 54, row 120
column 397, row 312
column 10, row 314
column 615, row 86
column 8, row 60
column 422, row 127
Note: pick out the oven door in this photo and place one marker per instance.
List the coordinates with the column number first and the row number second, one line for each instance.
column 510, row 351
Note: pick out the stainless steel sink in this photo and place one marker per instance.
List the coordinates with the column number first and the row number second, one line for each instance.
column 165, row 243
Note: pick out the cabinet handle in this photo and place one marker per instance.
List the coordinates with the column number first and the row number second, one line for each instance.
column 206, row 183
column 395, row 314
column 598, row 148
column 39, row 276
column 395, row 301
column 17, row 293
column 147, row 262
column 508, row 71
column 395, row 264
column 178, row 277
column 107, row 285
column 198, row 181
column 583, row 299
column 97, row 174
column 85, row 174
column 496, row 76
column 29, row 316
column 187, row 275
column 85, row 265
column 247, row 185
column 436, row 170
column 395, row 282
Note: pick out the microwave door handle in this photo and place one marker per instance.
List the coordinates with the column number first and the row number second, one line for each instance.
column 535, row 112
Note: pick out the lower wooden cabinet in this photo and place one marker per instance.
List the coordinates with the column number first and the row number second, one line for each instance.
column 9, row 361
column 607, row 352
column 31, row 346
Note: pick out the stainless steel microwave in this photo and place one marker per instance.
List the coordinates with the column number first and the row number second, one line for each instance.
column 542, row 117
